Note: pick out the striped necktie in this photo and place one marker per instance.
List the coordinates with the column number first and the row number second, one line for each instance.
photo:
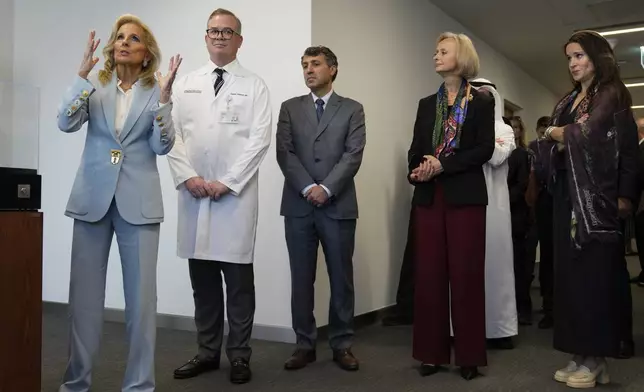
column 220, row 80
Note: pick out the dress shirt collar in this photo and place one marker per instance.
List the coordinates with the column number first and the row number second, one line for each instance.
column 324, row 98
column 233, row 68
column 119, row 82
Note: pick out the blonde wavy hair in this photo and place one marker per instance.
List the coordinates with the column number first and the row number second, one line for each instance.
column 147, row 74
column 467, row 59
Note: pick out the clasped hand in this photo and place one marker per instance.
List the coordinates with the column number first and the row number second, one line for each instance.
column 200, row 188
column 429, row 168
column 317, row 196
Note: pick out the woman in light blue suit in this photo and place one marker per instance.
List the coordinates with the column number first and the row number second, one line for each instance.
column 117, row 190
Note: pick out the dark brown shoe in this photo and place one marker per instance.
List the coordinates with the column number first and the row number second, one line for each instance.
column 300, row 359
column 345, row 359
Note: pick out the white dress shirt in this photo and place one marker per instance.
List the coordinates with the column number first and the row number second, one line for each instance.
column 123, row 105
column 226, row 75
column 326, row 101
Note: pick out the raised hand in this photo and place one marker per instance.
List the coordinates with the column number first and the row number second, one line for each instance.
column 165, row 82
column 89, row 61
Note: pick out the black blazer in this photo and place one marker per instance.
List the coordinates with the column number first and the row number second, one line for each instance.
column 462, row 179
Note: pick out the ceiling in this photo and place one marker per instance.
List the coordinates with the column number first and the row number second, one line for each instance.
column 532, row 33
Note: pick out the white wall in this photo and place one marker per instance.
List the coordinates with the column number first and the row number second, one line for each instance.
column 385, row 62
column 6, row 75
column 276, row 33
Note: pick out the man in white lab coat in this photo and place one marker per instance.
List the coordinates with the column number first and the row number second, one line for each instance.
column 222, row 116
column 500, row 300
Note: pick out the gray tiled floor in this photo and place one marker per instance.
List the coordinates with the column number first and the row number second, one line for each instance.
column 386, row 363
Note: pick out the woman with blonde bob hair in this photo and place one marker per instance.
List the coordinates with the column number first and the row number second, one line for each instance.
column 127, row 108
column 453, row 137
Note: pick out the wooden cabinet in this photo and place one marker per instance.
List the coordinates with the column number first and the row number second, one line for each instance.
column 20, row 300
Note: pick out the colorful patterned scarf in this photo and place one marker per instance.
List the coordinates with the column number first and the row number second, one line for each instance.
column 447, row 127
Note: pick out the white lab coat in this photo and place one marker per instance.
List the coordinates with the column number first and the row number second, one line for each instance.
column 219, row 138
column 500, row 300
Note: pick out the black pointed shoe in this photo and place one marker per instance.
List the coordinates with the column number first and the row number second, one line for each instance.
column 427, row 370
column 195, row 367
column 470, row 372
column 240, row 371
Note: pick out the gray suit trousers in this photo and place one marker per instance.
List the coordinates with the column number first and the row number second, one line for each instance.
column 138, row 248
column 303, row 235
column 205, row 276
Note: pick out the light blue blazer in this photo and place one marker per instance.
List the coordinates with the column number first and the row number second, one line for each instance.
column 124, row 167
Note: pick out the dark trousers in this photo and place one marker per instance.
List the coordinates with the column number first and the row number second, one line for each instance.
column 405, row 293
column 639, row 239
column 303, row 235
column 524, row 244
column 522, row 274
column 205, row 276
column 450, row 268
column 546, row 257
column 626, row 296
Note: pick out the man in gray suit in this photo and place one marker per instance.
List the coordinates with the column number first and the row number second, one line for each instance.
column 320, row 140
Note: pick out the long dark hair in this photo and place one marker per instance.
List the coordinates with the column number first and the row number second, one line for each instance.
column 606, row 69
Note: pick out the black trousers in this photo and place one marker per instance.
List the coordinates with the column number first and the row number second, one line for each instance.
column 303, row 236
column 626, row 296
column 523, row 259
column 639, row 239
column 405, row 293
column 546, row 258
column 205, row 276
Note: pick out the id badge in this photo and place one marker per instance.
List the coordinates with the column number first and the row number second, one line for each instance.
column 229, row 117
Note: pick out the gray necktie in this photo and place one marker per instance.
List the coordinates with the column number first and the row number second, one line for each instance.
column 319, row 108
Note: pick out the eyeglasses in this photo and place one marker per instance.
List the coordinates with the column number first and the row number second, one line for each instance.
column 226, row 33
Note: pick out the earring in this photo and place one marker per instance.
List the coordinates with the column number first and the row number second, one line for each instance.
column 145, row 63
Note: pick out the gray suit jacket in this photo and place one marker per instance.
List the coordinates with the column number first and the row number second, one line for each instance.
column 328, row 153
column 117, row 167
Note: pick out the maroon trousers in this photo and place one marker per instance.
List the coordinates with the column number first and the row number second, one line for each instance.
column 450, row 256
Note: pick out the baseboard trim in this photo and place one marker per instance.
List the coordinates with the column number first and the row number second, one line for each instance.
column 261, row 332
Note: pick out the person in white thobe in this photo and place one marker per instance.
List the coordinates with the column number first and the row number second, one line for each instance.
column 500, row 300
column 223, row 117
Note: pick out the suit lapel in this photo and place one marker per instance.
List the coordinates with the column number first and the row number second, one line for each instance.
column 139, row 102
column 109, row 105
column 331, row 109
column 309, row 109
